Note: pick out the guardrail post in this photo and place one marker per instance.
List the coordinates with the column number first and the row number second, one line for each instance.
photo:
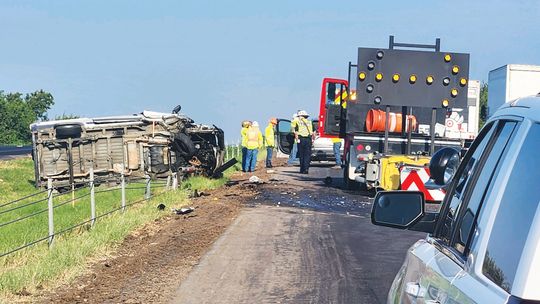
column 169, row 180
column 50, row 208
column 123, row 189
column 147, row 193
column 227, row 151
column 92, row 198
column 175, row 180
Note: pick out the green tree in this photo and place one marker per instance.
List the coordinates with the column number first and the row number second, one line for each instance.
column 483, row 104
column 17, row 112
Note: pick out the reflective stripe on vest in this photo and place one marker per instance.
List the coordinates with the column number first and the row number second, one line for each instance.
column 253, row 137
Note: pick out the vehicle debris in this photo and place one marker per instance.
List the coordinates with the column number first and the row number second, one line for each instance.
column 146, row 144
column 255, row 180
column 161, row 207
column 183, row 210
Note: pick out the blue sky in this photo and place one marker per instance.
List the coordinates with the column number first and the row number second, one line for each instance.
column 225, row 61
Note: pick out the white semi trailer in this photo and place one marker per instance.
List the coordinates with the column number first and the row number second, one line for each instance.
column 512, row 81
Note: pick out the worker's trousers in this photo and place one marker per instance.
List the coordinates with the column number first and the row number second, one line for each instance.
column 304, row 152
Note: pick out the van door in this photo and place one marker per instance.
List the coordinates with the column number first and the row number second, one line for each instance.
column 284, row 136
column 333, row 103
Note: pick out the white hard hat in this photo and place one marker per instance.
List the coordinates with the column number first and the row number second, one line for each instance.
column 303, row 113
column 255, row 124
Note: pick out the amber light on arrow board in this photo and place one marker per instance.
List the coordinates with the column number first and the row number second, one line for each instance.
column 395, row 78
column 362, row 76
column 379, row 76
column 447, row 57
column 412, row 78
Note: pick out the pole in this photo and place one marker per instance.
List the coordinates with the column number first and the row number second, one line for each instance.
column 50, row 209
column 123, row 189
column 175, row 181
column 92, row 198
column 386, row 129
column 409, row 131
column 147, row 193
column 432, row 131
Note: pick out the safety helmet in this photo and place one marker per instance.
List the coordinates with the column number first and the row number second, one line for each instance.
column 273, row 121
column 254, row 124
column 303, row 113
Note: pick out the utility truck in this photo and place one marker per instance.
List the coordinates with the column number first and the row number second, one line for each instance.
column 406, row 104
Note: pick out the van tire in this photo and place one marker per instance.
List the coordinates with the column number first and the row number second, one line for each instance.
column 184, row 146
column 68, row 131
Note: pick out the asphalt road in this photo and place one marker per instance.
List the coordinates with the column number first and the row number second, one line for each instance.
column 303, row 241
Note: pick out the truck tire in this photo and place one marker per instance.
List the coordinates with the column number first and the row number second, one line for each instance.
column 68, row 131
column 184, row 146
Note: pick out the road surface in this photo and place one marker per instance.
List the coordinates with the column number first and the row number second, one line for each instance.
column 9, row 152
column 303, row 240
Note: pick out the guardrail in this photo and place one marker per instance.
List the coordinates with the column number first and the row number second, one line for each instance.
column 11, row 211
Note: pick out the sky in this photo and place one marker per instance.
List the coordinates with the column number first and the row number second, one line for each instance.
column 227, row 61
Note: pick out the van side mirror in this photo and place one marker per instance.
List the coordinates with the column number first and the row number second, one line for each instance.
column 443, row 166
column 397, row 209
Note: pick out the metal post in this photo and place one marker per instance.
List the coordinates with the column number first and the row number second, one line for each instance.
column 226, row 151
column 50, row 209
column 432, row 131
column 169, row 179
column 175, row 181
column 92, row 198
column 147, row 193
column 386, row 129
column 409, row 131
column 123, row 190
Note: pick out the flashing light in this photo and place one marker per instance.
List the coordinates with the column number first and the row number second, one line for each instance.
column 369, row 88
column 463, row 82
column 371, row 65
column 412, row 78
column 447, row 57
column 446, row 81
column 362, row 76
column 454, row 92
column 377, row 99
column 429, row 79
column 445, row 103
column 395, row 77
column 379, row 76
column 380, row 54
column 455, row 69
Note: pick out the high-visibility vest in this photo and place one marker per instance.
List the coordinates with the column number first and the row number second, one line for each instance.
column 336, row 140
column 243, row 134
column 304, row 127
column 254, row 138
column 269, row 136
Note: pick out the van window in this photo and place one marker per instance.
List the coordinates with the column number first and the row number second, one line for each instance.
column 518, row 207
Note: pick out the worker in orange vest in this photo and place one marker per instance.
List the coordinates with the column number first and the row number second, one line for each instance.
column 254, row 143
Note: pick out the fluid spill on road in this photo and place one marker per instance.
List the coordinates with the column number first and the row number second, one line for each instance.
column 326, row 200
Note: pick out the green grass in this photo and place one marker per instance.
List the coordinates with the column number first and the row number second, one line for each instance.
column 38, row 265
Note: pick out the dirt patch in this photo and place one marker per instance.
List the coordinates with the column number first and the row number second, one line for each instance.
column 152, row 262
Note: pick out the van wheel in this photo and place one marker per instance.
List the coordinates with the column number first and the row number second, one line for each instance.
column 184, row 145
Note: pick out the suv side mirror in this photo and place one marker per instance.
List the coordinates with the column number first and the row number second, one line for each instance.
column 443, row 166
column 397, row 209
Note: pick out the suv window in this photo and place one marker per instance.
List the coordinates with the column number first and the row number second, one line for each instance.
column 479, row 188
column 518, row 207
column 450, row 213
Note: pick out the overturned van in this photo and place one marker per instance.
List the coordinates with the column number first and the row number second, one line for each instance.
column 146, row 144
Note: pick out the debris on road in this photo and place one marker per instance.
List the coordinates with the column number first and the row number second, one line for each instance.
column 183, row 210
column 161, row 207
column 255, row 180
column 231, row 183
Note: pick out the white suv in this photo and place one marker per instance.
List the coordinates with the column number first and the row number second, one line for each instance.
column 484, row 244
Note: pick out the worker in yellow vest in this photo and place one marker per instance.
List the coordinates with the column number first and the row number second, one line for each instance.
column 269, row 139
column 254, row 143
column 303, row 133
column 243, row 135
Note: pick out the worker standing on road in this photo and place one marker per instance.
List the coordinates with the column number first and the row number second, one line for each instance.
column 270, row 141
column 336, row 143
column 243, row 133
column 294, row 151
column 254, row 143
column 304, row 136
